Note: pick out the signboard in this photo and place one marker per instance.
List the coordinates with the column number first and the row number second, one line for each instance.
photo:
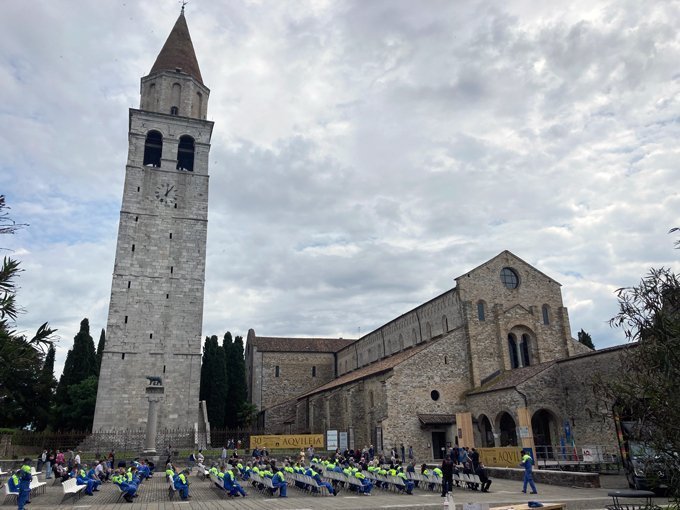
column 287, row 442
column 591, row 454
column 524, row 432
column 331, row 440
column 343, row 441
column 509, row 456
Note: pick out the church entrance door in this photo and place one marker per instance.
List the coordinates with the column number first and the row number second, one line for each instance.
column 438, row 444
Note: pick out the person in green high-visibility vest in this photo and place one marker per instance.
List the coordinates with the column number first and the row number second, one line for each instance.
column 528, row 465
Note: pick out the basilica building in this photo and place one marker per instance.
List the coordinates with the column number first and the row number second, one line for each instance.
column 490, row 362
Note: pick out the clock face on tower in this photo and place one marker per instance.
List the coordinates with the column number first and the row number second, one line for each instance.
column 166, row 194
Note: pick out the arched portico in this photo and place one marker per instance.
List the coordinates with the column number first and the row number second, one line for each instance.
column 508, row 427
column 544, row 429
column 486, row 431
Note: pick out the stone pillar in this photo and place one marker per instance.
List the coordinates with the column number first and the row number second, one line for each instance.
column 154, row 393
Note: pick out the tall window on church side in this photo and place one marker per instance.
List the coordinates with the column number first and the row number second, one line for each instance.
column 480, row 311
column 512, row 348
column 524, row 350
column 153, row 149
column 185, row 153
column 546, row 315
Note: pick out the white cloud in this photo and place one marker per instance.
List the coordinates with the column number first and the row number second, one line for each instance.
column 364, row 153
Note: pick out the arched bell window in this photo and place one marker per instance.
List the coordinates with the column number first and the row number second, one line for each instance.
column 185, row 153
column 153, row 149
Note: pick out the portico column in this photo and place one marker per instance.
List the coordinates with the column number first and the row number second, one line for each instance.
column 154, row 393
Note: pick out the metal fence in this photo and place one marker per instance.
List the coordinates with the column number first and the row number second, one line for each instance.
column 578, row 458
column 123, row 440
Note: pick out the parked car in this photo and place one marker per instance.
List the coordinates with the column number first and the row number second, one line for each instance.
column 646, row 468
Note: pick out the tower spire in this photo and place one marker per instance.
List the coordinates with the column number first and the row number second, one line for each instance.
column 178, row 51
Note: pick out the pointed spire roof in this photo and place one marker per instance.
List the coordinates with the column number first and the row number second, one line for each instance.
column 178, row 52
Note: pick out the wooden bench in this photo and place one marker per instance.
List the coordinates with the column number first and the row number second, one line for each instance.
column 71, row 487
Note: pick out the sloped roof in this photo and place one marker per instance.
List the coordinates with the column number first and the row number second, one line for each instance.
column 378, row 367
column 436, row 419
column 511, row 378
column 280, row 344
column 178, row 52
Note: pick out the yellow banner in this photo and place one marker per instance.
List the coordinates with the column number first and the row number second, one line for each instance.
column 509, row 456
column 287, row 442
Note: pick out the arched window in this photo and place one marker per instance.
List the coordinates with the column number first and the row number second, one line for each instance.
column 512, row 348
column 546, row 315
column 524, row 350
column 185, row 153
column 198, row 105
column 151, row 97
column 480, row 311
column 445, row 324
column 153, row 148
column 176, row 98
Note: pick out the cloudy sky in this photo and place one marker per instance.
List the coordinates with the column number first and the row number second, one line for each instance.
column 365, row 153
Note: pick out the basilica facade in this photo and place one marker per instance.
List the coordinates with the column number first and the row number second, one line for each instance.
column 490, row 362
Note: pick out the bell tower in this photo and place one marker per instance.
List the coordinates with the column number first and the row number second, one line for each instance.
column 156, row 308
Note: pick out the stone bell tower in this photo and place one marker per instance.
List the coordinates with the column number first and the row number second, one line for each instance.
column 156, row 309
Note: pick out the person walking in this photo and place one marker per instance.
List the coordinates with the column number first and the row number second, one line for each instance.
column 447, row 475
column 528, row 465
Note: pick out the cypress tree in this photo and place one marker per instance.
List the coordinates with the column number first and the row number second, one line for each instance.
column 236, row 378
column 81, row 363
column 100, row 350
column 213, row 381
column 45, row 389
column 239, row 390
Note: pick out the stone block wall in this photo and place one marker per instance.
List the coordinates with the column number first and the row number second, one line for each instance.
column 156, row 308
column 295, row 375
column 443, row 367
column 432, row 319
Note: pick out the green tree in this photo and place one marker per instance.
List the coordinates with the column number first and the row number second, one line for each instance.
column 78, row 412
column 100, row 350
column 236, row 375
column 45, row 389
column 214, row 381
column 585, row 339
column 21, row 357
column 80, row 364
column 646, row 387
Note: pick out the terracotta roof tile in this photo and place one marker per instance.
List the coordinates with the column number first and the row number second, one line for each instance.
column 436, row 419
column 511, row 378
column 278, row 344
column 178, row 52
column 374, row 368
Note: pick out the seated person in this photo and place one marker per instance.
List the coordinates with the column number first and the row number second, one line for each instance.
column 279, row 482
column 317, row 478
column 82, row 479
column 483, row 475
column 182, row 484
column 408, row 484
column 366, row 484
column 129, row 490
column 231, row 485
